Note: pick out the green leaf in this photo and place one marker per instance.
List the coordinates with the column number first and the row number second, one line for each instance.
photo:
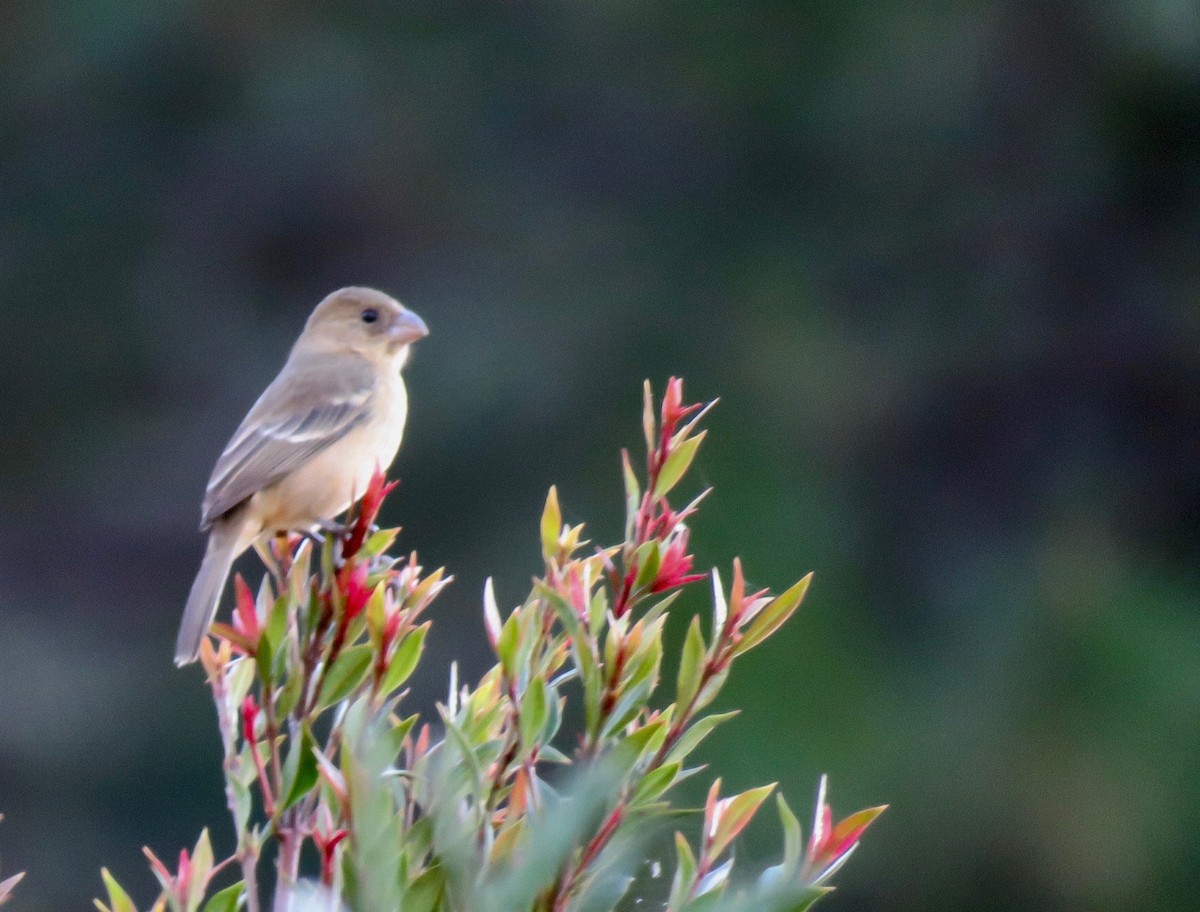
column 772, row 617
column 655, row 783
column 375, row 613
column 627, row 753
column 463, row 745
column 347, row 672
column 289, row 695
column 300, row 769
column 593, row 686
column 277, row 622
column 201, row 869
column 677, row 465
column 241, row 797
column 508, row 644
column 695, row 733
column 264, row 658
column 646, row 660
column 227, row 900
column 691, row 666
column 711, row 688
column 273, row 635
column 648, row 417
column 405, row 660
column 238, row 679
column 551, row 525
column 648, row 558
column 299, row 590
column 424, row 892
column 534, row 712
column 564, row 609
column 655, row 611
column 597, row 609
column 793, row 841
column 550, row 754
column 685, row 874
column 395, row 735
column 380, row 541
column 633, row 494
column 629, row 704
column 118, row 899
column 803, row 899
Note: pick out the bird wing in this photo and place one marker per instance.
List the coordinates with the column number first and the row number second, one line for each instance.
column 314, row 402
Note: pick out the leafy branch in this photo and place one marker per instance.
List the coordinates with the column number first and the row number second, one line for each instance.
column 495, row 805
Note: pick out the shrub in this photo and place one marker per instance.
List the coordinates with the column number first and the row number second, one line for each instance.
column 536, row 789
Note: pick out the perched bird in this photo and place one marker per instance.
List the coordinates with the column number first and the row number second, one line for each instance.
column 308, row 447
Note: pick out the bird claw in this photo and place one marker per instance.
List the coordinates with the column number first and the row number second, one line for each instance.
column 332, row 527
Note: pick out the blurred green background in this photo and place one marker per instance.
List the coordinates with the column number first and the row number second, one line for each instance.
column 939, row 261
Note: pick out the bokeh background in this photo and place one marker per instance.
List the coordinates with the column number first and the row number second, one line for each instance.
column 939, row 261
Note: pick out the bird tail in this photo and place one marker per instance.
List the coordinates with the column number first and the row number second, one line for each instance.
column 224, row 544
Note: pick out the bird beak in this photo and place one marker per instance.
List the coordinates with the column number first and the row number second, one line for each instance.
column 408, row 327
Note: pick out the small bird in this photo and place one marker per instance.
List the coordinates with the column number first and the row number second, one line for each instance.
column 332, row 418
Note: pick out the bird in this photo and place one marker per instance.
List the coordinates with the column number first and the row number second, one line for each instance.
column 308, row 447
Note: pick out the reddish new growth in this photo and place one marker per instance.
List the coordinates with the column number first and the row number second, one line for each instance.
column 368, row 511
column 308, row 678
column 188, row 885
column 669, row 453
column 246, row 631
column 829, row 846
column 327, row 837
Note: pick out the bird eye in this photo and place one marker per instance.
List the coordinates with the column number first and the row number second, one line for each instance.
column 370, row 315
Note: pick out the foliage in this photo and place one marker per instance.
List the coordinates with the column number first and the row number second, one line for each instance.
column 534, row 789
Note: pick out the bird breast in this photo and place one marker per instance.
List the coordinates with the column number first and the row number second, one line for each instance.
column 328, row 483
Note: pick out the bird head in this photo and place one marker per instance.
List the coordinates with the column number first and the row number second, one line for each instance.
column 365, row 320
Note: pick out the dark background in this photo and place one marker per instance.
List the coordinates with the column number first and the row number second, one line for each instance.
column 939, row 261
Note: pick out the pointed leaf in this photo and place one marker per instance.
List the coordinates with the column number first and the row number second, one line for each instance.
column 736, row 813
column 648, row 417
column 720, row 606
column 424, row 893
column 508, row 645
column 633, row 494
column 847, row 833
column 379, row 542
column 491, row 612
column 9, row 884
column 534, row 712
column 655, row 783
column 695, row 733
column 406, row 659
column 648, row 558
column 551, row 525
column 200, row 870
column 793, row 839
column 685, row 874
column 772, row 617
column 677, row 465
column 300, row 770
column 118, row 899
column 691, row 666
column 226, row 900
column 347, row 672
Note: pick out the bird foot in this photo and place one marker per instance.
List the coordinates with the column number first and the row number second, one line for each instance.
column 332, row 527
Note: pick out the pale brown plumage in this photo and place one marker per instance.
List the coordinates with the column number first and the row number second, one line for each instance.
column 333, row 415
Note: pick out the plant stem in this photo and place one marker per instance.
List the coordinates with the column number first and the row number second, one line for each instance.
column 247, row 854
column 289, row 867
